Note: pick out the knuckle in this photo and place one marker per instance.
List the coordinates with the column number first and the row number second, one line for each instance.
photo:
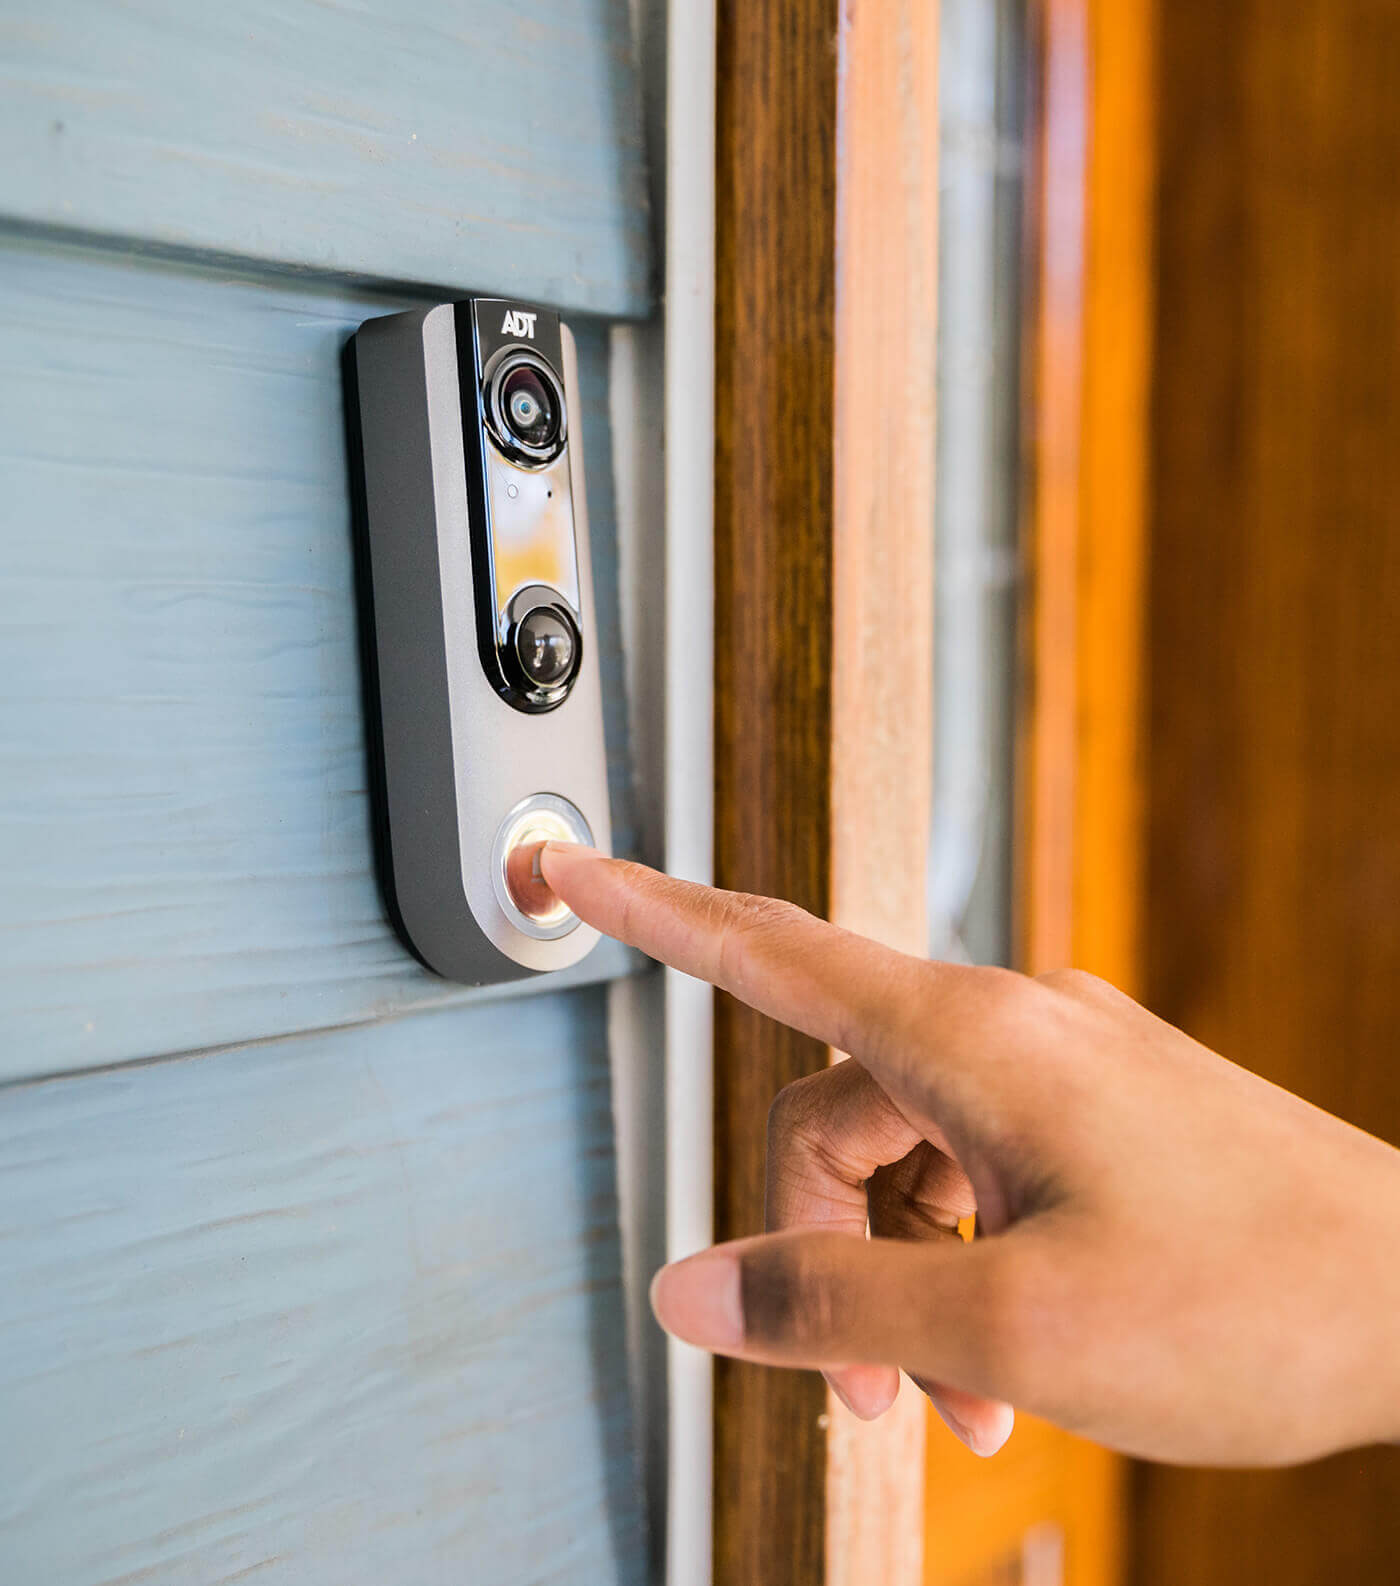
column 803, row 1121
column 1007, row 1005
column 790, row 1110
column 1027, row 1017
column 744, row 912
column 1005, row 989
column 745, row 923
column 1074, row 983
column 796, row 1298
column 627, row 915
column 828, row 1313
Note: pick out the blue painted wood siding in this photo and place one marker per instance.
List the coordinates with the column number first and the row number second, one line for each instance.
column 308, row 1261
column 494, row 145
column 337, row 1309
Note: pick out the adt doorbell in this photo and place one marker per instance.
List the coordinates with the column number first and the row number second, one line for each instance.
column 481, row 644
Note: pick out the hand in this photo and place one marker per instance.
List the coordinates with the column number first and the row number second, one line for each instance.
column 1177, row 1258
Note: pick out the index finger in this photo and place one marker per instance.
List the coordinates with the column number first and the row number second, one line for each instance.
column 854, row 994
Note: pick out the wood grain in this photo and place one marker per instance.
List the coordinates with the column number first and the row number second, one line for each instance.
column 823, row 747
column 183, row 824
column 882, row 631
column 333, row 1308
column 775, row 322
column 1274, row 840
column 492, row 147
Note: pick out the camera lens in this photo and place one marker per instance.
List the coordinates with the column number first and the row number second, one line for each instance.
column 525, row 408
column 545, row 646
column 531, row 413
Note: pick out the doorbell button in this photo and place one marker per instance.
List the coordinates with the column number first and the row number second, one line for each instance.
column 522, row 892
column 525, row 882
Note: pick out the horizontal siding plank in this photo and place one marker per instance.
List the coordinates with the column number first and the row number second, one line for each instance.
column 184, row 832
column 339, row 1308
column 488, row 147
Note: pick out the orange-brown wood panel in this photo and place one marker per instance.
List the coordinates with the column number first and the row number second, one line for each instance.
column 1052, row 1508
column 1042, row 1516
column 1273, row 926
column 1089, row 344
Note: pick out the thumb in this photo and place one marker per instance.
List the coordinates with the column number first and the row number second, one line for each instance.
column 821, row 1299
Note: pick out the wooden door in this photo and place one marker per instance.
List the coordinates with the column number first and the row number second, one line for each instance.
column 1213, row 746
column 309, row 1265
column 1272, row 920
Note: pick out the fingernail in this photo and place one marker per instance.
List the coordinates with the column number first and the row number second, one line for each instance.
column 841, row 1394
column 699, row 1301
column 983, row 1442
column 955, row 1426
column 574, row 850
column 994, row 1437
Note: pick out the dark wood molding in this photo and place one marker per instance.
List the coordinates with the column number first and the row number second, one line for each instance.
column 775, row 326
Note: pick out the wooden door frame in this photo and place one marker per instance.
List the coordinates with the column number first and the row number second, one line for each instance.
column 1089, row 320
column 1087, row 360
column 824, row 286
column 825, row 365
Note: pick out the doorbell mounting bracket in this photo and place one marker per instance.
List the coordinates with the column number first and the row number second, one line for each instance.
column 479, row 636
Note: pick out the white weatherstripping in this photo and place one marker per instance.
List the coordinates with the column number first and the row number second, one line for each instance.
column 689, row 739
column 665, row 497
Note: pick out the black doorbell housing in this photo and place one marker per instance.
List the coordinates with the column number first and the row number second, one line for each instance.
column 480, row 640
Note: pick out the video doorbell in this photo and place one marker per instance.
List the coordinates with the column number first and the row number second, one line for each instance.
column 479, row 636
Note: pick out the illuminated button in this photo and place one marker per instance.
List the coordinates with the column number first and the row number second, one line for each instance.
column 521, row 890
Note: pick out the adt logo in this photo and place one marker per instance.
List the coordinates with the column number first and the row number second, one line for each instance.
column 518, row 323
